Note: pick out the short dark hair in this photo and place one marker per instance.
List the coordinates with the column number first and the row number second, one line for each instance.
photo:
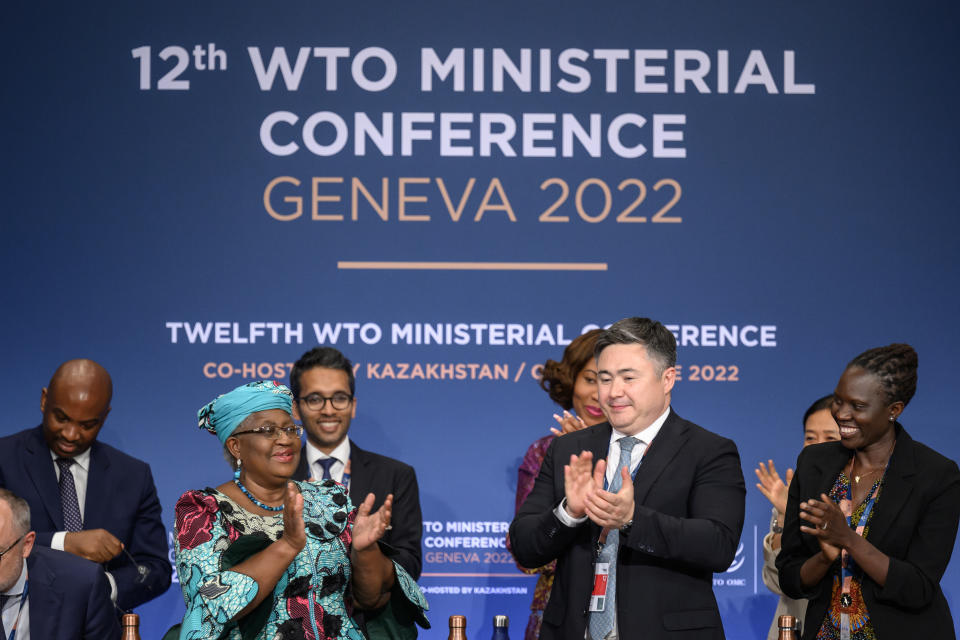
column 659, row 342
column 896, row 367
column 19, row 508
column 324, row 357
column 823, row 403
column 559, row 378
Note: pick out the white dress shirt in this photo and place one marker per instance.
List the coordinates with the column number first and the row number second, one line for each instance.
column 11, row 609
column 341, row 453
column 80, row 470
column 644, row 438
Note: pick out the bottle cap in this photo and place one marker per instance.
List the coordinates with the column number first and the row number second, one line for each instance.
column 458, row 622
column 130, row 620
column 501, row 621
column 787, row 622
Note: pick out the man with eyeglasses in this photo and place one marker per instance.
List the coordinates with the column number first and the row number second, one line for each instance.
column 47, row 594
column 323, row 385
column 86, row 497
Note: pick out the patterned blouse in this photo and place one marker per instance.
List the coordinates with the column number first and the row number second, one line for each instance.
column 208, row 523
column 529, row 469
column 860, row 626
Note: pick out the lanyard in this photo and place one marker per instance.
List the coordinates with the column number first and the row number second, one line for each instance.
column 23, row 601
column 846, row 577
column 345, row 478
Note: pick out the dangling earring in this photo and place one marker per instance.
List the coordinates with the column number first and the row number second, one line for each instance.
column 236, row 473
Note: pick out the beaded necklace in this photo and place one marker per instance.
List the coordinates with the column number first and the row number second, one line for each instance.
column 236, row 481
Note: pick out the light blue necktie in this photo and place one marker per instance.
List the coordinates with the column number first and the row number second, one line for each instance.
column 601, row 622
column 326, row 463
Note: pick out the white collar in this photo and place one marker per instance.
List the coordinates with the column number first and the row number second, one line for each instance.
column 647, row 435
column 341, row 453
column 82, row 460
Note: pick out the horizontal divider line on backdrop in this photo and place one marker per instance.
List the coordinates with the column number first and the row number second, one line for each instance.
column 476, row 575
column 476, row 266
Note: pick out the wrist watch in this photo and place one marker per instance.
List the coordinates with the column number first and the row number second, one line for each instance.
column 625, row 527
column 774, row 519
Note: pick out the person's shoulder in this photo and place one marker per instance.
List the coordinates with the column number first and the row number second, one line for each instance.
column 931, row 460
column 695, row 432
column 379, row 460
column 65, row 566
column 541, row 444
column 823, row 455
column 128, row 463
column 10, row 443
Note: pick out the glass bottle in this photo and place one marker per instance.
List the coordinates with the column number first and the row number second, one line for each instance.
column 458, row 628
column 131, row 626
column 788, row 628
column 500, row 628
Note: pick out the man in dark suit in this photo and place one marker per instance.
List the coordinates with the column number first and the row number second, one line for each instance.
column 635, row 555
column 86, row 497
column 47, row 594
column 323, row 386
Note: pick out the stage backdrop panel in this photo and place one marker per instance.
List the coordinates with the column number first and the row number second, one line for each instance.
column 197, row 193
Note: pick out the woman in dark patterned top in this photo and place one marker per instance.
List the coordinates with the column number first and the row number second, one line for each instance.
column 871, row 521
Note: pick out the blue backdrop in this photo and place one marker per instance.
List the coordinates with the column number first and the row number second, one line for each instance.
column 777, row 172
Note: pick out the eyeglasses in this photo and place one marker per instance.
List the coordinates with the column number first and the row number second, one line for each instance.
column 316, row 402
column 15, row 542
column 273, row 433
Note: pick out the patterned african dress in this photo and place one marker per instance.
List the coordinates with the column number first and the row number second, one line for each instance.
column 860, row 626
column 208, row 523
column 527, row 475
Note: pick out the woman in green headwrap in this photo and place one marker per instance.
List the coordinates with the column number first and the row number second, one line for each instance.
column 263, row 557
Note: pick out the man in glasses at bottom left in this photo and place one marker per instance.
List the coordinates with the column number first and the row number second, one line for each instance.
column 46, row 593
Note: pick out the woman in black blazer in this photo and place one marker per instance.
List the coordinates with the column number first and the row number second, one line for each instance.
column 871, row 520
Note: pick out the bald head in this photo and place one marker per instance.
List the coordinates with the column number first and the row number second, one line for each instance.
column 74, row 406
column 84, row 376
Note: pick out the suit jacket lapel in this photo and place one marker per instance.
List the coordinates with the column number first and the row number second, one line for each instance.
column 664, row 448
column 45, row 599
column 897, row 486
column 360, row 483
column 95, row 505
column 596, row 440
column 828, row 467
column 303, row 471
column 825, row 470
column 39, row 466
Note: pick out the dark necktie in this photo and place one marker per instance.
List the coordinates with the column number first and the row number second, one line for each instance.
column 601, row 622
column 68, row 497
column 326, row 463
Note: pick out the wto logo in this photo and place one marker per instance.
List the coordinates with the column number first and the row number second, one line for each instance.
column 729, row 581
column 738, row 559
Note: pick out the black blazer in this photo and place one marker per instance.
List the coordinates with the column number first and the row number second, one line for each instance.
column 380, row 475
column 914, row 522
column 69, row 598
column 689, row 494
column 121, row 498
